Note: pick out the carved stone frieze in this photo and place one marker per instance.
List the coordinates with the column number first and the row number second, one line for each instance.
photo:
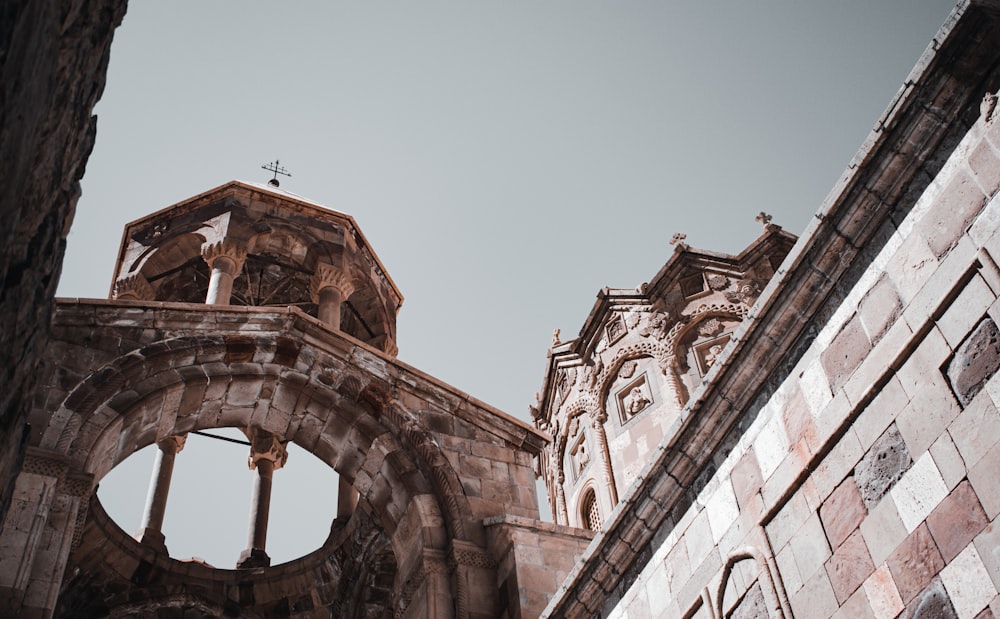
column 746, row 291
column 718, row 282
column 627, row 369
column 656, row 325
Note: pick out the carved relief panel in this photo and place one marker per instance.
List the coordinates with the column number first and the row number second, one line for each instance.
column 635, row 397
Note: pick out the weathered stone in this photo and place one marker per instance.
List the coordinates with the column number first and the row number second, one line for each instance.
column 849, row 566
column 883, row 465
column 976, row 360
column 752, row 606
column 932, row 603
column 842, row 512
column 956, row 521
column 914, row 563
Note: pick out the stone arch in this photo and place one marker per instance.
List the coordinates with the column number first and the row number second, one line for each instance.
column 589, row 509
column 686, row 323
column 199, row 382
column 757, row 589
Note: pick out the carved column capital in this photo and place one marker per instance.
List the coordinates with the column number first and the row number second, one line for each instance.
column 265, row 445
column 133, row 286
column 226, row 248
column 329, row 276
column 172, row 444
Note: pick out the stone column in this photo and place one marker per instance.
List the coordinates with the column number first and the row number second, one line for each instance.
column 225, row 259
column 330, row 287
column 561, row 511
column 267, row 454
column 601, row 438
column 151, row 530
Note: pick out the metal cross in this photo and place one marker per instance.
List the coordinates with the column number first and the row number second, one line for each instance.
column 678, row 238
column 763, row 218
column 277, row 169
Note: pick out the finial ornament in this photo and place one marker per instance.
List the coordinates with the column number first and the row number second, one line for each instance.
column 277, row 169
column 555, row 337
column 678, row 238
column 763, row 218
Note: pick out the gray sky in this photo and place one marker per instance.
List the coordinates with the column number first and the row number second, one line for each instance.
column 505, row 159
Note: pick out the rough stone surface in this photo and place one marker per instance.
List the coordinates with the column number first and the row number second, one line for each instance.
column 752, row 606
column 976, row 360
column 53, row 62
column 931, row 603
column 914, row 563
column 956, row 521
column 883, row 465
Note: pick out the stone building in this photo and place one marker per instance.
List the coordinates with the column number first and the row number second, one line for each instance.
column 806, row 429
column 839, row 456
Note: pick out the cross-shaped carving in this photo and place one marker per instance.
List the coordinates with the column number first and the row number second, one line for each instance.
column 678, row 238
column 763, row 218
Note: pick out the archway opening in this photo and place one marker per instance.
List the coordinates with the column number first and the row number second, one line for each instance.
column 208, row 508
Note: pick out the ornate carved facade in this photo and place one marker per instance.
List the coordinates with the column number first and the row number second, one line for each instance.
column 612, row 394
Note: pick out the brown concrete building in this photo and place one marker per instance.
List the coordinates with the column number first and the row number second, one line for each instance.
column 806, row 429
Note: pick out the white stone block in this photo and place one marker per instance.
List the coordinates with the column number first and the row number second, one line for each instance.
column 815, row 388
column 722, row 510
column 919, row 492
column 771, row 447
column 968, row 583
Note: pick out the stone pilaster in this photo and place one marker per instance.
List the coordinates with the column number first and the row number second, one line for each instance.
column 225, row 260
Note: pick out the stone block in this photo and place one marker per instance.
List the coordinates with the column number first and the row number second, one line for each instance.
column 881, row 412
column 842, row 512
column 985, row 481
column 948, row 461
column 883, row 531
column 849, row 566
column 816, row 598
column 845, row 353
column 984, row 161
column 958, row 204
column 931, row 603
column 918, row 492
column 968, row 583
column 914, row 563
column 837, row 464
column 965, row 311
column 911, row 266
column 856, row 607
column 976, row 429
column 879, row 308
column 956, row 521
column 810, row 548
column 746, row 478
column 976, row 360
column 932, row 407
column 988, row 545
column 880, row 589
column 883, row 466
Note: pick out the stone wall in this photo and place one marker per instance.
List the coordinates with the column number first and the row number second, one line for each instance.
column 842, row 462
column 53, row 62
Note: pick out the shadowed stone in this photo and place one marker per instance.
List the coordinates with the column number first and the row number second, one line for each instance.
column 975, row 361
column 932, row 603
column 882, row 467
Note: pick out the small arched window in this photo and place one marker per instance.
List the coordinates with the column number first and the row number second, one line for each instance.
column 590, row 512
